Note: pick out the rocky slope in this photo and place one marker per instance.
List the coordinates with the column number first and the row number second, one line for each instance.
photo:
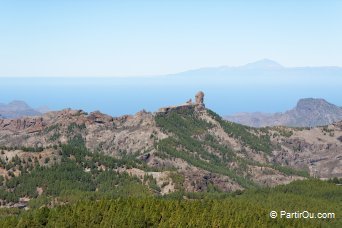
column 309, row 112
column 190, row 146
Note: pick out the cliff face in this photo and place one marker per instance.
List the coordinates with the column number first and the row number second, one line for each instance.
column 204, row 149
column 309, row 112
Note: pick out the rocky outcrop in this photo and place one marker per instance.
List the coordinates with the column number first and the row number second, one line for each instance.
column 199, row 104
column 199, row 98
column 129, row 134
column 99, row 118
column 200, row 101
column 28, row 125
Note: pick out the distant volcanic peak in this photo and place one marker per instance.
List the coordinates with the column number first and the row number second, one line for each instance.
column 17, row 109
column 18, row 104
column 263, row 64
column 312, row 103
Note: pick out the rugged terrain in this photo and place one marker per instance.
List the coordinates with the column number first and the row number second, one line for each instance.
column 186, row 147
column 309, row 112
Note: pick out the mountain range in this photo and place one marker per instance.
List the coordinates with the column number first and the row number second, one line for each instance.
column 309, row 112
column 17, row 109
column 101, row 165
column 261, row 68
column 181, row 147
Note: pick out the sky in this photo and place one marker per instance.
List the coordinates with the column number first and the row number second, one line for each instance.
column 133, row 38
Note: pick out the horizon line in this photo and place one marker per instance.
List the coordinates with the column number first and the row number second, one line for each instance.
column 244, row 66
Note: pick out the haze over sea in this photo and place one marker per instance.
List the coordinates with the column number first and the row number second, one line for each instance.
column 94, row 39
column 258, row 87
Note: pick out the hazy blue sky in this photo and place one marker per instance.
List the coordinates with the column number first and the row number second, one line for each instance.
column 118, row 38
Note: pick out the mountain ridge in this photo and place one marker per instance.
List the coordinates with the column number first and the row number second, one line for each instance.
column 185, row 148
column 17, row 109
column 188, row 141
column 262, row 64
column 308, row 112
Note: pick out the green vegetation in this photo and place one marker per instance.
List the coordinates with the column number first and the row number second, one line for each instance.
column 289, row 171
column 67, row 175
column 335, row 180
column 70, row 175
column 73, row 127
column 240, row 209
column 260, row 142
column 78, row 188
column 32, row 149
column 191, row 143
column 23, row 148
column 52, row 128
column 152, row 183
column 178, row 181
column 283, row 132
column 256, row 142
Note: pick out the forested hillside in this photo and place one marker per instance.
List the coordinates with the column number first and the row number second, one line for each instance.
column 249, row 208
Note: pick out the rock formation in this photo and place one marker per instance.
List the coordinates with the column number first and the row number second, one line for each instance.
column 199, row 100
column 199, row 104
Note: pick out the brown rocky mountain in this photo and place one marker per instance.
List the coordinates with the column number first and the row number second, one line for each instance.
column 186, row 140
column 16, row 109
column 309, row 112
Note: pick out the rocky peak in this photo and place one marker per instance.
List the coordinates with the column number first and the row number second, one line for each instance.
column 19, row 105
column 199, row 104
column 98, row 117
column 308, row 112
column 16, row 109
column 263, row 64
column 142, row 113
column 310, row 104
column 199, row 98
